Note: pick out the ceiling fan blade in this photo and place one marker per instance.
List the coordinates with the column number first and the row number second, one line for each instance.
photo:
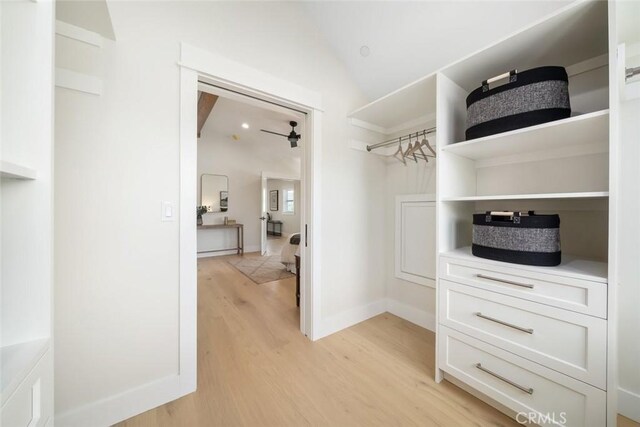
column 274, row 133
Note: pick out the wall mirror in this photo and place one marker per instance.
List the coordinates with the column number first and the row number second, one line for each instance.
column 214, row 192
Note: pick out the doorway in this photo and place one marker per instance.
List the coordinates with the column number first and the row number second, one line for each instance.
column 280, row 221
column 199, row 67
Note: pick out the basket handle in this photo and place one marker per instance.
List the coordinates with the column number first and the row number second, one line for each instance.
column 512, row 75
column 514, row 215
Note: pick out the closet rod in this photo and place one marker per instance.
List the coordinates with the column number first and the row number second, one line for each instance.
column 398, row 140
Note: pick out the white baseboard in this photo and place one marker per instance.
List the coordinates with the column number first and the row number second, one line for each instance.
column 247, row 250
column 412, row 314
column 113, row 409
column 351, row 317
column 629, row 404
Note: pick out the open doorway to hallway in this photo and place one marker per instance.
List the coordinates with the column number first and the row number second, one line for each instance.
column 249, row 187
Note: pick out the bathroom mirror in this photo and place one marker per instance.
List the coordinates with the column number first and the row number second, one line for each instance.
column 214, row 192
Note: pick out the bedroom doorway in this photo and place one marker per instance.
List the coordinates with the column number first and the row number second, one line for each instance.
column 199, row 67
column 280, row 220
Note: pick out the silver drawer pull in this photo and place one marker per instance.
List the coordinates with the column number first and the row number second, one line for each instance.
column 511, row 325
column 500, row 377
column 508, row 282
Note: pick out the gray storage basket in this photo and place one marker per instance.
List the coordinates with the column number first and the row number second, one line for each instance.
column 517, row 238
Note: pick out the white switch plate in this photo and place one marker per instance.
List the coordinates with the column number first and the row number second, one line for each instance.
column 167, row 213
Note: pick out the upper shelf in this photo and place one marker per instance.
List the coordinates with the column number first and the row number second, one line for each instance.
column 573, row 34
column 15, row 171
column 401, row 109
column 576, row 132
column 536, row 196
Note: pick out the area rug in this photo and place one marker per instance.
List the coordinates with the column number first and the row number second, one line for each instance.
column 261, row 269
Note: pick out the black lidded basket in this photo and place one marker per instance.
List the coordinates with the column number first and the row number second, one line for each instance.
column 519, row 238
column 532, row 97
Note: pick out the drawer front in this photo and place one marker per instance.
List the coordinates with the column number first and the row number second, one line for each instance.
column 582, row 296
column 32, row 402
column 521, row 385
column 571, row 343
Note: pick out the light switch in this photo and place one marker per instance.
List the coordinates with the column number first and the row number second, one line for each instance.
column 167, row 211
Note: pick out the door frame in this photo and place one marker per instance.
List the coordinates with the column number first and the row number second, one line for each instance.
column 264, row 178
column 196, row 64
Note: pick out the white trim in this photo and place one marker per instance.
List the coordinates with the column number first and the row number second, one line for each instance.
column 77, row 81
column 77, row 33
column 411, row 314
column 352, row 317
column 629, row 404
column 239, row 76
column 122, row 406
column 188, row 288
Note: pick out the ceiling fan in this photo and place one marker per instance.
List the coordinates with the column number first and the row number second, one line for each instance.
column 293, row 137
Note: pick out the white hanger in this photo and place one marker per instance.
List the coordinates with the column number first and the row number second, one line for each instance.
column 399, row 154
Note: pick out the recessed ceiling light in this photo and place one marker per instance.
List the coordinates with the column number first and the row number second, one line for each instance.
column 245, row 126
column 364, row 51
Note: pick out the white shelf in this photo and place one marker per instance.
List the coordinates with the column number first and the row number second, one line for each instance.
column 539, row 196
column 17, row 362
column 571, row 266
column 402, row 108
column 577, row 133
column 15, row 171
column 574, row 34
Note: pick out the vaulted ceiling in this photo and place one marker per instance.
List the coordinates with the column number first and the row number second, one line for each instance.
column 408, row 40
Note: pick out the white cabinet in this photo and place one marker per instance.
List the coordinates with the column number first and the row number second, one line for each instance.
column 568, row 342
column 527, row 388
column 26, row 236
column 570, row 167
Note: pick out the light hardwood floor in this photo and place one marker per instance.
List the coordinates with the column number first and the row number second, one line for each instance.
column 256, row 369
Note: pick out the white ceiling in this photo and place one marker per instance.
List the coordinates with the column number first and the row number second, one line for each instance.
column 408, row 40
column 228, row 115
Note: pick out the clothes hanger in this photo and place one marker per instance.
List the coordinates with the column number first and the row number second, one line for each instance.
column 425, row 143
column 399, row 154
column 410, row 150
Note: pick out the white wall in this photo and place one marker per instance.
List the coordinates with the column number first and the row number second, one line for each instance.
column 117, row 158
column 407, row 299
column 243, row 162
column 290, row 222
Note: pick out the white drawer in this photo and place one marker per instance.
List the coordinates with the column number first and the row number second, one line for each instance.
column 31, row 404
column 571, row 343
column 531, row 283
column 519, row 384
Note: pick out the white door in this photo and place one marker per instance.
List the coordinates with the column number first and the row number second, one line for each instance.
column 263, row 217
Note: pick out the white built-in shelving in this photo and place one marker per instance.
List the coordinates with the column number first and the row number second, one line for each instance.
column 562, row 167
column 571, row 267
column 535, row 196
column 586, row 133
column 26, row 262
column 10, row 170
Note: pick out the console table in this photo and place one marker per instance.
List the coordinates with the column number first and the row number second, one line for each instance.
column 239, row 233
column 276, row 228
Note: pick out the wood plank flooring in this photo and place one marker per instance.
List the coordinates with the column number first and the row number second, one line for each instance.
column 256, row 369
